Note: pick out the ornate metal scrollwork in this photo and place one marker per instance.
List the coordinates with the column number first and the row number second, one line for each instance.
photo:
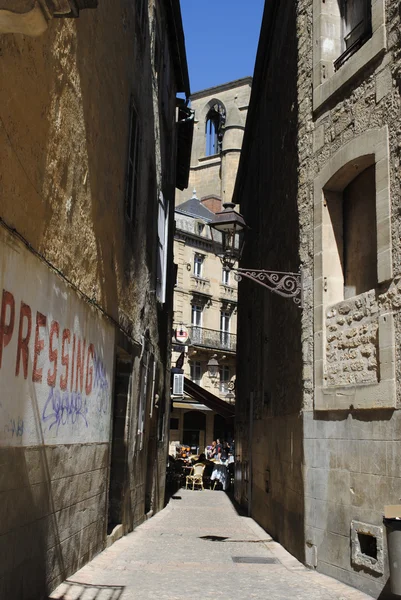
column 285, row 284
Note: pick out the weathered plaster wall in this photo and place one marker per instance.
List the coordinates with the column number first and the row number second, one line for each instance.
column 56, row 357
column 56, row 373
column 64, row 128
column 67, row 186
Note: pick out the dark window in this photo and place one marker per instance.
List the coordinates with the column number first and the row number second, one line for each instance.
column 224, row 371
column 356, row 23
column 174, row 423
column 225, row 317
column 143, row 395
column 141, row 6
column 197, row 311
column 368, row 544
column 196, row 371
column 225, row 276
column 198, row 265
column 133, row 164
column 359, row 234
column 161, row 418
column 215, row 120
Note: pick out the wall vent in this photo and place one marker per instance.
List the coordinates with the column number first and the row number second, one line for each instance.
column 367, row 546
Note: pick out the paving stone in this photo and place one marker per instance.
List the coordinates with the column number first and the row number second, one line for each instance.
column 166, row 558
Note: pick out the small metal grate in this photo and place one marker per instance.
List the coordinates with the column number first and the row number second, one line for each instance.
column 255, row 560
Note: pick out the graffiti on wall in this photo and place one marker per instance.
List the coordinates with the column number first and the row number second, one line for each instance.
column 56, row 357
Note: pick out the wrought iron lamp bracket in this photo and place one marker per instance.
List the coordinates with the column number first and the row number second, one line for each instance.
column 287, row 284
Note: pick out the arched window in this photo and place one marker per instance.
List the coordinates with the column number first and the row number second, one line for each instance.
column 215, row 120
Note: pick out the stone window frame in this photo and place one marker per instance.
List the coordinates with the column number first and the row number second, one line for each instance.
column 326, row 81
column 371, row 147
column 204, row 117
column 358, row 559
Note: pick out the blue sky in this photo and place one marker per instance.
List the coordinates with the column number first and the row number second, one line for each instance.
column 221, row 39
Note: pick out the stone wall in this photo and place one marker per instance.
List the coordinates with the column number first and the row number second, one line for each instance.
column 55, row 499
column 215, row 175
column 77, row 287
column 270, row 380
column 351, row 471
column 306, row 138
column 352, row 341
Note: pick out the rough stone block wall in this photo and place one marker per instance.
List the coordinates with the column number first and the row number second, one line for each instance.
column 351, row 471
column 53, row 502
column 352, row 342
column 349, row 459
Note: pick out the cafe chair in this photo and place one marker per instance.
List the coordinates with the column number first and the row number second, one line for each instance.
column 196, row 476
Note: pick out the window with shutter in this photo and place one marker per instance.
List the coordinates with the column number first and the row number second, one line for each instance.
column 197, row 315
column 162, row 234
column 198, row 264
column 133, row 164
column 356, row 27
column 178, row 384
column 144, row 375
column 225, row 317
column 224, row 372
column 196, row 372
column 225, row 277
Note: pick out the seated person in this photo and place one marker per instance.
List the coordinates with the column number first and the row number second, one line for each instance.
column 223, row 452
column 213, row 452
column 217, row 450
column 208, row 465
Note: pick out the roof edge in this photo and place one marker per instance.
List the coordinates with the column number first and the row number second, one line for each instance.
column 263, row 58
column 221, row 88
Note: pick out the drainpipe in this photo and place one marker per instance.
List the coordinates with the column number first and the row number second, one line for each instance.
column 250, row 454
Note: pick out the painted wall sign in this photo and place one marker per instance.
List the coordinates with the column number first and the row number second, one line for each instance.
column 56, row 356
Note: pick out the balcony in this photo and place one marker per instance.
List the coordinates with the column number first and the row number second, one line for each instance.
column 228, row 292
column 200, row 285
column 212, row 338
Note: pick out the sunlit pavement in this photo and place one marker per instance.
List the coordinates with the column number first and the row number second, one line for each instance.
column 198, row 547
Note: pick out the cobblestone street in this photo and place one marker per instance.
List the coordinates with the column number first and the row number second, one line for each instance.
column 198, row 547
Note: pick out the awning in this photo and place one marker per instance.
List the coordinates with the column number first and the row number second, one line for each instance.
column 208, row 399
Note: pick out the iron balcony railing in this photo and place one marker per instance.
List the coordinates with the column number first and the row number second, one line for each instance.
column 212, row 338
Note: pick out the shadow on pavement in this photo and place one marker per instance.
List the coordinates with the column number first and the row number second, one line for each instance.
column 75, row 590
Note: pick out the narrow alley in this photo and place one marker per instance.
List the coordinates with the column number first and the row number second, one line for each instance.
column 199, row 547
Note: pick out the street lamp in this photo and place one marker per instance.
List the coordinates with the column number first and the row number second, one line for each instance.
column 230, row 397
column 213, row 366
column 228, row 233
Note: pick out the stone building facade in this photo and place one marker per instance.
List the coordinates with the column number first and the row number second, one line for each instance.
column 87, row 185
column 205, row 296
column 318, row 427
column 220, row 116
column 205, row 303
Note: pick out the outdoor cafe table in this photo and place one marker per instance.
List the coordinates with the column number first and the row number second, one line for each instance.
column 220, row 473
